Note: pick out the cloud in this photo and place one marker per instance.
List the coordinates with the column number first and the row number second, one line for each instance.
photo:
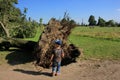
column 118, row 9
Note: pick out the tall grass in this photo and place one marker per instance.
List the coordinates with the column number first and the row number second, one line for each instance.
column 111, row 33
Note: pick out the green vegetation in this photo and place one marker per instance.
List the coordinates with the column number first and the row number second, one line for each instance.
column 36, row 36
column 92, row 21
column 3, row 55
column 13, row 21
column 101, row 22
column 110, row 33
column 102, row 43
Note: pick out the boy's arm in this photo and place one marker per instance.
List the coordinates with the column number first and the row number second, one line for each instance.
column 51, row 57
column 63, row 54
column 51, row 60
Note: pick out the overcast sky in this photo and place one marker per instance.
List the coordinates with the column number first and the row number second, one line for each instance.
column 77, row 9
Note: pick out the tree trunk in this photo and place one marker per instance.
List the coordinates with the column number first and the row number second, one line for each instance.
column 4, row 29
column 55, row 30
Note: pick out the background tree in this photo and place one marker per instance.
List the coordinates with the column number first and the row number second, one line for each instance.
column 110, row 23
column 6, row 9
column 41, row 20
column 13, row 22
column 101, row 22
column 92, row 21
column 117, row 24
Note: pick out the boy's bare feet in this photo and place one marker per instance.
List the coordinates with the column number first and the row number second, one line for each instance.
column 57, row 74
column 53, row 74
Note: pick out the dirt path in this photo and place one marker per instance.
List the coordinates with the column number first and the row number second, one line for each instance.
column 83, row 70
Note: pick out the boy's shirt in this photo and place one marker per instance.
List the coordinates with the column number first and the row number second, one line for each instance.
column 57, row 55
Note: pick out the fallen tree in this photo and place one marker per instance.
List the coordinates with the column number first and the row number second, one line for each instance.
column 6, row 43
column 56, row 30
column 4, row 29
column 43, row 48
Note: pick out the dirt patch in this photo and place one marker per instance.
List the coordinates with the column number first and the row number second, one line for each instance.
column 81, row 70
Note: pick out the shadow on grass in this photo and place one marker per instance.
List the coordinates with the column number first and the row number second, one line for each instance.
column 33, row 72
column 18, row 56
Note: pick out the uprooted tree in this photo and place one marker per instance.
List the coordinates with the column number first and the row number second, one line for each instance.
column 56, row 30
column 43, row 48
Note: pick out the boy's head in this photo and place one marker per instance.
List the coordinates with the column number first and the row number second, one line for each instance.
column 58, row 42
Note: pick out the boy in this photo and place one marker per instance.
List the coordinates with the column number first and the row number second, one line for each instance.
column 56, row 58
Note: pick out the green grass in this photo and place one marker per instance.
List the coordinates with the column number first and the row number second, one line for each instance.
column 36, row 38
column 111, row 33
column 97, row 46
column 2, row 56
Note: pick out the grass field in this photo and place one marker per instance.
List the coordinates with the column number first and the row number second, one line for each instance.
column 102, row 43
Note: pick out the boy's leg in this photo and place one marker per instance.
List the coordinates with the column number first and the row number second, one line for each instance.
column 58, row 68
column 54, row 68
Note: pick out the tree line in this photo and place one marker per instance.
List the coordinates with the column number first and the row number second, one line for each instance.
column 102, row 23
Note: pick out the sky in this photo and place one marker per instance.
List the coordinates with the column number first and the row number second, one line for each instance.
column 79, row 10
